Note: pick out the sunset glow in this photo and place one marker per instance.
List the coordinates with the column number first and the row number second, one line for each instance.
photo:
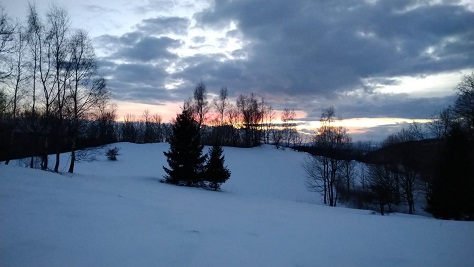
column 381, row 64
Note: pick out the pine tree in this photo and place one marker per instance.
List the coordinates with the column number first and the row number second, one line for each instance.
column 216, row 172
column 185, row 157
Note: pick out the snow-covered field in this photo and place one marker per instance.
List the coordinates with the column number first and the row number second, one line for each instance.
column 119, row 214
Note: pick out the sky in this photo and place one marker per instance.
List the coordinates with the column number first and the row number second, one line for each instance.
column 381, row 64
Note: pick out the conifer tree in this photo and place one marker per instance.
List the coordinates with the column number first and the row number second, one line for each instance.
column 216, row 172
column 185, row 157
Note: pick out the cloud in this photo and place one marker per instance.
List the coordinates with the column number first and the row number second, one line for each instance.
column 100, row 10
column 377, row 105
column 199, row 39
column 324, row 47
column 304, row 54
column 164, row 25
column 398, row 106
column 150, row 48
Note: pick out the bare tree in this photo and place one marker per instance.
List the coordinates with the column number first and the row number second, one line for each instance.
column 268, row 118
column 317, row 173
column 414, row 132
column 105, row 118
column 58, row 28
column 348, row 174
column 86, row 88
column 19, row 70
column 289, row 127
column 3, row 103
column 7, row 31
column 233, row 118
column 47, row 80
column 383, row 184
column 148, row 130
column 157, row 121
column 252, row 117
column 277, row 137
column 16, row 83
column 406, row 165
column 442, row 123
column 129, row 129
column 221, row 103
column 33, row 39
column 325, row 171
column 464, row 105
column 201, row 105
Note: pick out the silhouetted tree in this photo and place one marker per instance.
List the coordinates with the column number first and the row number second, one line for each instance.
column 382, row 184
column 441, row 123
column 105, row 131
column 251, row 115
column 221, row 104
column 289, row 128
column 233, row 118
column 268, row 126
column 86, row 90
column 129, row 130
column 185, row 157
column 451, row 193
column 325, row 172
column 216, row 173
column 17, row 84
column 7, row 31
column 148, row 132
column 464, row 105
column 200, row 104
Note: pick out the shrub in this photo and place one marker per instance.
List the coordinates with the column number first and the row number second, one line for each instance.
column 112, row 153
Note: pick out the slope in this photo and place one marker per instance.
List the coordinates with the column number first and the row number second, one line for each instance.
column 118, row 214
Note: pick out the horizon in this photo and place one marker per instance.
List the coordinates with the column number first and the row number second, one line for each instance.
column 381, row 64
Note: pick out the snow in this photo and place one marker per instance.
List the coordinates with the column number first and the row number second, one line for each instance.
column 119, row 214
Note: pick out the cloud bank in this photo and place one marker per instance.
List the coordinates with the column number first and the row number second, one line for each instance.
column 299, row 54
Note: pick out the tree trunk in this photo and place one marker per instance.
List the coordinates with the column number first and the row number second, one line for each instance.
column 58, row 158
column 73, row 156
column 44, row 157
column 56, row 165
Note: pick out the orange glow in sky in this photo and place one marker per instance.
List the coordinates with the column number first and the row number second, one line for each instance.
column 169, row 110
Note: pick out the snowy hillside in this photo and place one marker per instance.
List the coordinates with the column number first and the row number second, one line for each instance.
column 119, row 214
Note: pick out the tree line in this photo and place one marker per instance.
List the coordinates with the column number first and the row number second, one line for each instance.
column 432, row 164
column 249, row 121
column 50, row 87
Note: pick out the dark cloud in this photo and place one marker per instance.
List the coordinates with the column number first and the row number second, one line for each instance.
column 136, row 46
column 149, row 49
column 399, row 106
column 139, row 81
column 164, row 25
column 136, row 66
column 376, row 105
column 324, row 47
column 304, row 54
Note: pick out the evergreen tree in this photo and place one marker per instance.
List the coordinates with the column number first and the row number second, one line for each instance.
column 216, row 172
column 185, row 157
